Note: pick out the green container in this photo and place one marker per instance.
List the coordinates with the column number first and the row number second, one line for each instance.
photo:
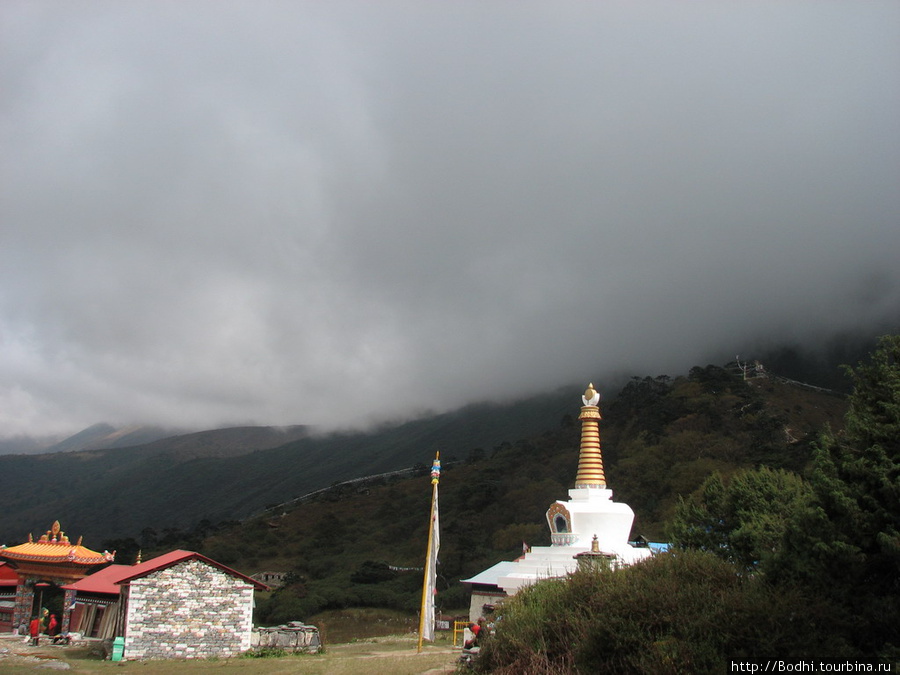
column 118, row 649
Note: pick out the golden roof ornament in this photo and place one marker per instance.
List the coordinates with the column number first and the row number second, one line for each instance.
column 591, row 397
column 54, row 547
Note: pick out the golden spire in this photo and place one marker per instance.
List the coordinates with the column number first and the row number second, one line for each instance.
column 590, row 461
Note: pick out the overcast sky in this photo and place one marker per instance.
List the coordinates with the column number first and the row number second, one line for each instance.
column 333, row 212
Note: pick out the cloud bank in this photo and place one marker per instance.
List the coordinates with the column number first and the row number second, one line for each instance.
column 330, row 213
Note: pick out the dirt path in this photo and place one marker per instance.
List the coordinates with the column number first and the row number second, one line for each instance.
column 15, row 652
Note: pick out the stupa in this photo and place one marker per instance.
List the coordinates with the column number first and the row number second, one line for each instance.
column 588, row 526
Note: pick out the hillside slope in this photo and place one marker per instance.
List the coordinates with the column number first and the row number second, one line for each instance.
column 93, row 437
column 661, row 438
column 178, row 482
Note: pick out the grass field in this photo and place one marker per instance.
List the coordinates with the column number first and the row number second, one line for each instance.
column 387, row 655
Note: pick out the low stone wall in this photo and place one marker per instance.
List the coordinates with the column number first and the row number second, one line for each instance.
column 292, row 637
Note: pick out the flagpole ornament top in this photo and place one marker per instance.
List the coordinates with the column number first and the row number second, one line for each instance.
column 591, row 396
column 436, row 469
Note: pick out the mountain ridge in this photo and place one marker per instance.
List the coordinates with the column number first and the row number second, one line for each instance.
column 227, row 474
column 97, row 436
column 176, row 481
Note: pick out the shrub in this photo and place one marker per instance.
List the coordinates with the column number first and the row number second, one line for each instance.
column 687, row 612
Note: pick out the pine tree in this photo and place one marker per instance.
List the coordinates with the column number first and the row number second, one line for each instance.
column 874, row 415
column 846, row 544
column 742, row 520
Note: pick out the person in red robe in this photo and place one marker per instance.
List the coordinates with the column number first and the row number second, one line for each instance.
column 34, row 630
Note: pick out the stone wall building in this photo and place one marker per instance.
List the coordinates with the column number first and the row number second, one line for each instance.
column 177, row 605
column 184, row 605
column 270, row 579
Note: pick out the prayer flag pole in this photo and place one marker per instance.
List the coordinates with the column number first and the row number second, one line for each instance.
column 429, row 585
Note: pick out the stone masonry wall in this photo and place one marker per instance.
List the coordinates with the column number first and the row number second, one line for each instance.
column 190, row 610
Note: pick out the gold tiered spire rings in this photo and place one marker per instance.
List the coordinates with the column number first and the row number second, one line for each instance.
column 590, row 460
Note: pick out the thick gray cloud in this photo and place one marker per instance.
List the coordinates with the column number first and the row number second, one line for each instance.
column 287, row 212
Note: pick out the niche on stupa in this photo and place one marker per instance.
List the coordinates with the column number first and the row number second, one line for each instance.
column 560, row 521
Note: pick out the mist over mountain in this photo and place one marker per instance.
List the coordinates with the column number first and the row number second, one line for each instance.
column 26, row 445
column 817, row 363
column 212, row 442
column 337, row 214
column 103, row 436
column 231, row 473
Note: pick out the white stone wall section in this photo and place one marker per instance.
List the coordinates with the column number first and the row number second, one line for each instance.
column 189, row 610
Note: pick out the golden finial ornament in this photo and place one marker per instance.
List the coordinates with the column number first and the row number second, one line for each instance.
column 591, row 397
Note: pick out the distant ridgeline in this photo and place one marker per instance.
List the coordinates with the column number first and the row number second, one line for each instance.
column 708, row 420
column 177, row 483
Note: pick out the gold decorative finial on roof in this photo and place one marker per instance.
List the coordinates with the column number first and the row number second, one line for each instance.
column 54, row 547
column 595, row 545
column 137, row 561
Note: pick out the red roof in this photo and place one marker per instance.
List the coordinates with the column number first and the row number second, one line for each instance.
column 103, row 581
column 173, row 558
